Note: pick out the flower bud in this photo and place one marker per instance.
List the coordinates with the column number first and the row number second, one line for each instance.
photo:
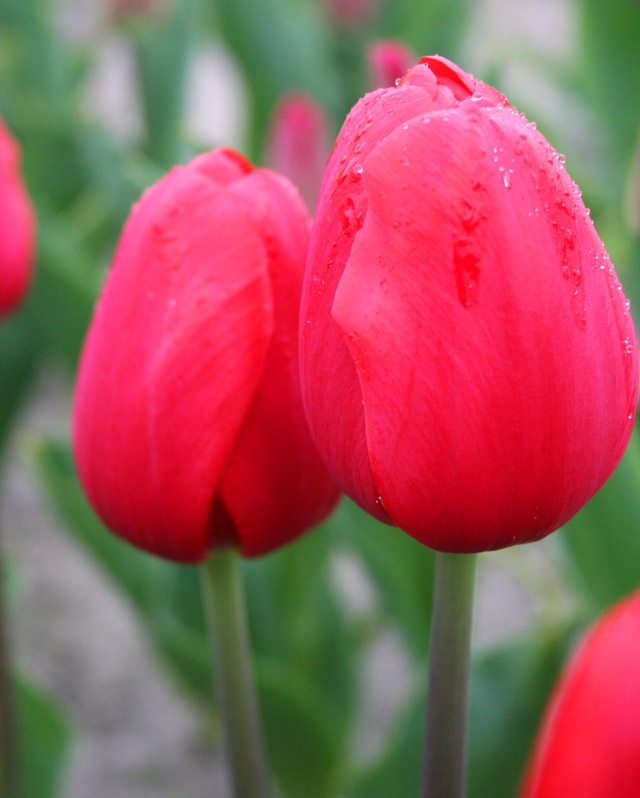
column 143, row 9
column 299, row 144
column 589, row 740
column 188, row 428
column 388, row 61
column 469, row 363
column 351, row 13
column 17, row 227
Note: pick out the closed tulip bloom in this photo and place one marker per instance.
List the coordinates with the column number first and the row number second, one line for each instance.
column 469, row 363
column 17, row 227
column 589, row 741
column 188, row 427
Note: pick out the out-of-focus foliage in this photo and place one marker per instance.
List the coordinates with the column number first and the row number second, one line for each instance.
column 310, row 641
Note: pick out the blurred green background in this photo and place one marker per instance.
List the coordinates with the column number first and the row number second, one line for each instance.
column 110, row 658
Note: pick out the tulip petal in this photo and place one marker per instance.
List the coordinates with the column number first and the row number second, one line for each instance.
column 274, row 459
column 331, row 386
column 589, row 742
column 493, row 356
column 162, row 393
column 17, row 227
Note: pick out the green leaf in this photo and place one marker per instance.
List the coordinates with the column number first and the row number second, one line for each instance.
column 45, row 740
column 282, row 47
column 295, row 616
column 400, row 567
column 17, row 359
column 510, row 686
column 610, row 33
column 603, row 540
column 61, row 301
column 434, row 27
column 162, row 53
column 302, row 732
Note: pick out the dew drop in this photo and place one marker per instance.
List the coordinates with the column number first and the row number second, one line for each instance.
column 506, row 179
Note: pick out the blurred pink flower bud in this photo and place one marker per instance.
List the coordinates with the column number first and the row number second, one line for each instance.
column 298, row 144
column 123, row 9
column 17, row 227
column 388, row 61
column 350, row 13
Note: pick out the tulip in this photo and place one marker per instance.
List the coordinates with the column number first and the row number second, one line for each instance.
column 350, row 13
column 17, row 227
column 589, row 741
column 468, row 360
column 388, row 61
column 188, row 427
column 131, row 9
column 299, row 143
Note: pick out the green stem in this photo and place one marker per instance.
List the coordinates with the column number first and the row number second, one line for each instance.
column 8, row 774
column 232, row 662
column 445, row 751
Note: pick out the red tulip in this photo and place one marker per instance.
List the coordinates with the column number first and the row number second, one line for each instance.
column 188, row 426
column 468, row 361
column 388, row 61
column 17, row 227
column 589, row 741
column 299, row 143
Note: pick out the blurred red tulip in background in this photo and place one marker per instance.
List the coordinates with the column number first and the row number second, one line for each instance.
column 589, row 742
column 298, row 144
column 17, row 227
column 188, row 427
column 350, row 13
column 469, row 363
column 388, row 61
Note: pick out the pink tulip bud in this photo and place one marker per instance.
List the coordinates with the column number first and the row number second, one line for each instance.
column 350, row 13
column 589, row 741
column 299, row 144
column 125, row 9
column 188, row 428
column 469, row 363
column 388, row 61
column 17, row 227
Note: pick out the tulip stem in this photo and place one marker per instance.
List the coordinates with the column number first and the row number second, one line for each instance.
column 445, row 751
column 8, row 775
column 233, row 674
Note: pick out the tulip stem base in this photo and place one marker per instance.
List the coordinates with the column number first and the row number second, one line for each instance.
column 445, row 751
column 233, row 674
